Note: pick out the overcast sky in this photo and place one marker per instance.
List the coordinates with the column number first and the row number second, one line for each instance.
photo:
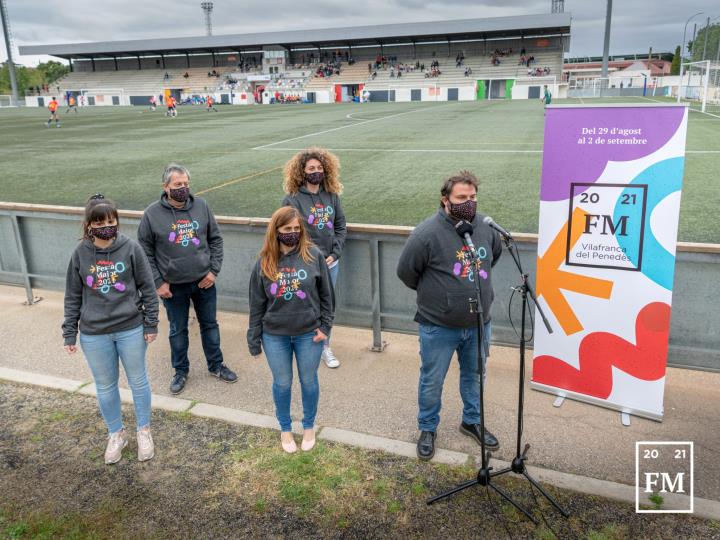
column 636, row 24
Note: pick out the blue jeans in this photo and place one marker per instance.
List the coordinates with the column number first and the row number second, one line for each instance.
column 334, row 272
column 437, row 345
column 279, row 353
column 178, row 309
column 102, row 353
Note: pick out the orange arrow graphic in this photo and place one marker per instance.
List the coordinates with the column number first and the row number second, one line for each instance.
column 550, row 279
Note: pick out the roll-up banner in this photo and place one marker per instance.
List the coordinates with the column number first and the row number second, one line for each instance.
column 609, row 208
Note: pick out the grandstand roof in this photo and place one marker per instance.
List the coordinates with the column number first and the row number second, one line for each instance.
column 497, row 27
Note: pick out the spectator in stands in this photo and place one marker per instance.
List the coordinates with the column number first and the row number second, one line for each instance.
column 183, row 243
column 392, row 72
column 370, row 67
column 468, row 71
column 186, row 75
column 166, row 76
column 110, row 295
column 312, row 184
column 446, row 325
column 522, row 51
column 291, row 313
column 374, row 74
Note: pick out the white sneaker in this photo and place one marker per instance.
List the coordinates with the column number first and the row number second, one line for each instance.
column 330, row 359
column 146, row 447
column 116, row 442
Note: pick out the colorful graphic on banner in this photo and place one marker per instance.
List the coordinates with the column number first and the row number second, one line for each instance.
column 609, row 208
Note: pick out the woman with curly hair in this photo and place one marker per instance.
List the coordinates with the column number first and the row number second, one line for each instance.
column 312, row 184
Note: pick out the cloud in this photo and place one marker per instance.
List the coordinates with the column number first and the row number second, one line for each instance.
column 637, row 24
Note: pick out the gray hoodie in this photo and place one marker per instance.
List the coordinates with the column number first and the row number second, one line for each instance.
column 109, row 290
column 437, row 265
column 297, row 302
column 323, row 217
column 182, row 245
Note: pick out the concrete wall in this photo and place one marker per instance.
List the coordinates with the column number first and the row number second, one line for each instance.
column 369, row 293
column 466, row 93
column 322, row 96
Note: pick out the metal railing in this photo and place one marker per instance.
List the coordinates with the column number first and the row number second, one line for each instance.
column 36, row 242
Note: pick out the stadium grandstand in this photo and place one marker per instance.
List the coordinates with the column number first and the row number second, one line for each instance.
column 492, row 58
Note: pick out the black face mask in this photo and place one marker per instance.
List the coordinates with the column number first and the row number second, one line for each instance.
column 290, row 239
column 180, row 194
column 315, row 178
column 464, row 210
column 104, row 233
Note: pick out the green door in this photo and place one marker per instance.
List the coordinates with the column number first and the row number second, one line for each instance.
column 508, row 88
column 481, row 90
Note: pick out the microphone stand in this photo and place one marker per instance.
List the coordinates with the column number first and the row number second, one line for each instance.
column 484, row 475
column 518, row 463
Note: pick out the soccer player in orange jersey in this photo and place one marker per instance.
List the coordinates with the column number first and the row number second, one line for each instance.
column 53, row 107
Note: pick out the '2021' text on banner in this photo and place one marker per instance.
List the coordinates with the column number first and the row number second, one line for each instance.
column 609, row 208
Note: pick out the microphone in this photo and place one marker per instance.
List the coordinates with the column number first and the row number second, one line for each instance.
column 491, row 223
column 464, row 230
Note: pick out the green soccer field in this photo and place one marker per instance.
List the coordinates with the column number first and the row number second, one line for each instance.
column 393, row 156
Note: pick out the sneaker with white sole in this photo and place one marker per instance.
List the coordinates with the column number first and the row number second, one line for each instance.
column 146, row 447
column 330, row 359
column 116, row 442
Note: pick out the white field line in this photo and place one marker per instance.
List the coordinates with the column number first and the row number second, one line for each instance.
column 419, row 150
column 658, row 101
column 264, row 146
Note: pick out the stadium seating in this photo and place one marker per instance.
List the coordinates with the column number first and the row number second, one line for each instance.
column 303, row 77
column 141, row 82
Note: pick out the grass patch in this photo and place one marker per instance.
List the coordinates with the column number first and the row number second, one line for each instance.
column 245, row 478
column 657, row 500
column 331, row 482
column 610, row 531
column 42, row 526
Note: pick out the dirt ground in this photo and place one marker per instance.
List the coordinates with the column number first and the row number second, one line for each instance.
column 215, row 480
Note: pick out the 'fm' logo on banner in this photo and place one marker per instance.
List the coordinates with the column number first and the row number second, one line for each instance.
column 610, row 200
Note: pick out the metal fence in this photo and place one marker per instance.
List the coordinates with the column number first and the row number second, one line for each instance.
column 36, row 242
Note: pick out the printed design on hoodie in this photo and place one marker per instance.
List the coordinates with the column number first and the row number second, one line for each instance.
column 464, row 267
column 104, row 276
column 183, row 232
column 320, row 216
column 287, row 284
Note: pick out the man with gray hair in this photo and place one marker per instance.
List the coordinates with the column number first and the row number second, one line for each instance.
column 183, row 244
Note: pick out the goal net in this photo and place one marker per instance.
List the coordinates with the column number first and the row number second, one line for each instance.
column 700, row 86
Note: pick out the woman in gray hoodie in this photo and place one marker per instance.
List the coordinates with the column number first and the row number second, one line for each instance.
column 312, row 184
column 110, row 294
column 291, row 312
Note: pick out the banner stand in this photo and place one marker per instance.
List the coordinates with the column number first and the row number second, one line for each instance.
column 609, row 211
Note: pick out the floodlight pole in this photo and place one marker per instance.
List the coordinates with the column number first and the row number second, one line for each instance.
column 682, row 53
column 606, row 45
column 8, row 47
